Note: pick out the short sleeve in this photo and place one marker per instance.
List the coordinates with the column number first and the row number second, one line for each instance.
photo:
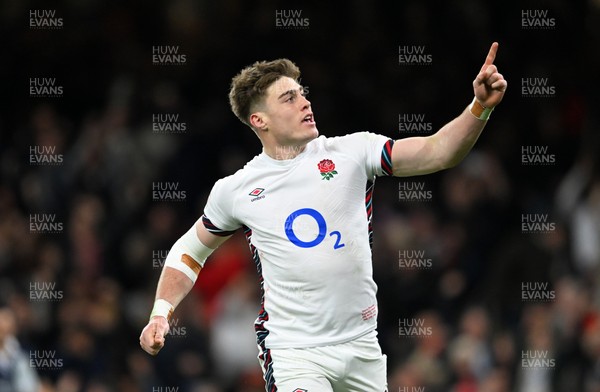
column 373, row 151
column 218, row 213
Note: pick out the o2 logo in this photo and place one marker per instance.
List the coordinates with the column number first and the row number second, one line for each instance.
column 316, row 215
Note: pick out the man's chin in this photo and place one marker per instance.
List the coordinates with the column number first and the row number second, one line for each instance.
column 307, row 135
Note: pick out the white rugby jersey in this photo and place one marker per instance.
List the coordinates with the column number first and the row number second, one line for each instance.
column 308, row 224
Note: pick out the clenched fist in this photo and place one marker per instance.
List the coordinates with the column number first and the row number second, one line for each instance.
column 153, row 335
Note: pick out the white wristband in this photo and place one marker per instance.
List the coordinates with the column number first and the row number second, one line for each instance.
column 480, row 111
column 162, row 308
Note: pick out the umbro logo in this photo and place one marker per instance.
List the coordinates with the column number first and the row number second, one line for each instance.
column 257, row 193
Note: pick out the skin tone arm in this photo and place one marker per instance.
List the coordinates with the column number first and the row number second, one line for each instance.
column 173, row 286
column 447, row 147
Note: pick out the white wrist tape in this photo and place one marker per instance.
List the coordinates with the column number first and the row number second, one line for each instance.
column 162, row 308
column 188, row 254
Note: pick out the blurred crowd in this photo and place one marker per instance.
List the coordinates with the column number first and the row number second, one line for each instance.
column 73, row 302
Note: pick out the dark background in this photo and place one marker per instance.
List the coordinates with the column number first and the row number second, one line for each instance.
column 471, row 227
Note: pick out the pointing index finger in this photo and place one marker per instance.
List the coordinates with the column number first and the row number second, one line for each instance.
column 491, row 56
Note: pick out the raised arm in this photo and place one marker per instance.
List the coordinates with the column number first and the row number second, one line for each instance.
column 183, row 264
column 448, row 146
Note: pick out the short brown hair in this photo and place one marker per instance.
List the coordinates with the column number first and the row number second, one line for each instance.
column 249, row 86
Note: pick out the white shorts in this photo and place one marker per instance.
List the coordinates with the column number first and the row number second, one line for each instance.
column 355, row 366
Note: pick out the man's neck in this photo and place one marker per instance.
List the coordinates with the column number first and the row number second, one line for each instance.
column 282, row 153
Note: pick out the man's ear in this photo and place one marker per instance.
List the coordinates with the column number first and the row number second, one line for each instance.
column 258, row 121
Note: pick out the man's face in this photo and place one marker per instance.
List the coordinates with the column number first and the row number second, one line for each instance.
column 287, row 113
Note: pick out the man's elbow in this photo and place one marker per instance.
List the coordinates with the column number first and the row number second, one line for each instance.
column 450, row 162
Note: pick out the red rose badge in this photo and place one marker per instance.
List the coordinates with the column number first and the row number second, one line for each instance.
column 327, row 169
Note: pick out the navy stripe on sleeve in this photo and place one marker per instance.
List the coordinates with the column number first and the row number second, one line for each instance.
column 386, row 158
column 214, row 229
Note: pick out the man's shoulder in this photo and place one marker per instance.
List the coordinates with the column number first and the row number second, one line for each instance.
column 358, row 136
column 355, row 139
column 234, row 180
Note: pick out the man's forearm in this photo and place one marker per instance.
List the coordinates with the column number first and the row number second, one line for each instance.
column 442, row 150
column 448, row 146
column 173, row 286
column 455, row 139
column 182, row 266
column 458, row 136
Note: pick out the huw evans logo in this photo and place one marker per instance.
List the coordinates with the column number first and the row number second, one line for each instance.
column 413, row 327
column 44, row 360
column 44, row 155
column 44, row 20
column 537, row 88
column 537, row 292
column 291, row 20
column 287, row 152
column 537, row 155
column 44, row 224
column 167, row 191
column 167, row 123
column 44, row 291
column 537, row 359
column 413, row 259
column 413, row 191
column 167, row 55
column 413, row 123
column 537, row 20
column 158, row 258
column 176, row 330
column 44, row 88
column 536, row 224
column 293, row 291
column 414, row 55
